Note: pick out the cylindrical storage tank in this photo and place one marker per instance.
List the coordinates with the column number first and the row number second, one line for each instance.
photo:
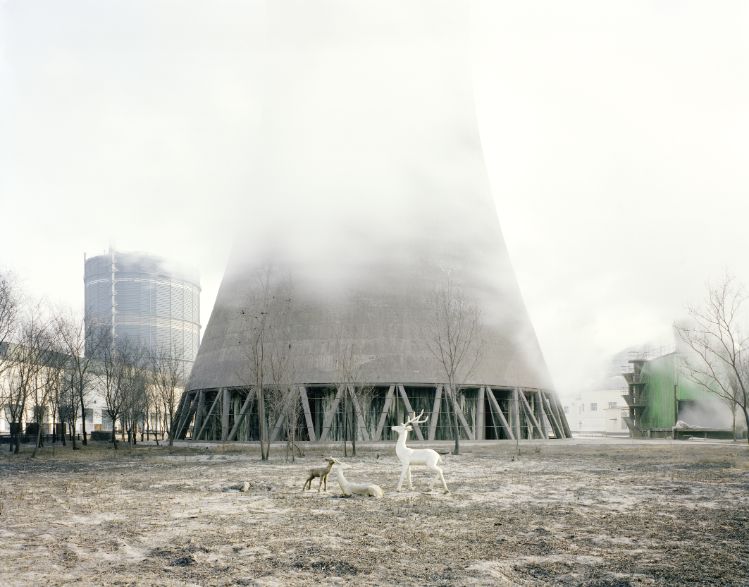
column 144, row 300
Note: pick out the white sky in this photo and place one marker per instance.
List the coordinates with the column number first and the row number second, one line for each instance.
column 614, row 133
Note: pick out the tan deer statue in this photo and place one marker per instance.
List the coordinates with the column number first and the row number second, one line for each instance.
column 322, row 473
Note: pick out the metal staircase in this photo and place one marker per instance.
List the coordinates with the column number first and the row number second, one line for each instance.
column 635, row 398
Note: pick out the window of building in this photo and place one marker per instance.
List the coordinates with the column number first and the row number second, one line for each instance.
column 612, row 404
column 594, row 407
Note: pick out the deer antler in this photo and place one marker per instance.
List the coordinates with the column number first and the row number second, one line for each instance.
column 414, row 419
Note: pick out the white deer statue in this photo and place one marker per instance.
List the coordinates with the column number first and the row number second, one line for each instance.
column 349, row 488
column 419, row 456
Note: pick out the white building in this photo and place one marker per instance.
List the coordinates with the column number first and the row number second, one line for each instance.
column 96, row 416
column 597, row 412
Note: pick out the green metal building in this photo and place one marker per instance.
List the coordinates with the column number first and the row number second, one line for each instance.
column 660, row 397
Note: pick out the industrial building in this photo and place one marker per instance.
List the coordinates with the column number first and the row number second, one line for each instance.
column 145, row 300
column 383, row 321
column 597, row 412
column 597, row 408
column 42, row 407
column 662, row 402
column 374, row 197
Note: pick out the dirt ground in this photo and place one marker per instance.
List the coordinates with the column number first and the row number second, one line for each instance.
column 603, row 513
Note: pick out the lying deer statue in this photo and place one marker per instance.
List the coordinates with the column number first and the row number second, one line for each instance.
column 348, row 488
column 419, row 456
column 322, row 473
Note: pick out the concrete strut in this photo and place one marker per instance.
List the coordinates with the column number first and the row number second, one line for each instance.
column 231, row 410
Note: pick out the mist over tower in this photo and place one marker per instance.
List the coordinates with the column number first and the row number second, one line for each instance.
column 370, row 193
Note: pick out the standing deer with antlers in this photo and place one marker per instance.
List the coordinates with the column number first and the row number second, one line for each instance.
column 419, row 456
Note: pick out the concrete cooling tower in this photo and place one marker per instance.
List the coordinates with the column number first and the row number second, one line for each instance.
column 370, row 205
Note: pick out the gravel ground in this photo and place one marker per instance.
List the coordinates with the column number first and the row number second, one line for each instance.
column 597, row 513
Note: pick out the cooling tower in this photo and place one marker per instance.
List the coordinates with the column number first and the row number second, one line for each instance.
column 372, row 196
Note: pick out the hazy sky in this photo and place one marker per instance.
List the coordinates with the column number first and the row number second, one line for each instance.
column 614, row 135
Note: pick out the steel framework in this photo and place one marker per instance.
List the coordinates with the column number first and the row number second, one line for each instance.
column 228, row 414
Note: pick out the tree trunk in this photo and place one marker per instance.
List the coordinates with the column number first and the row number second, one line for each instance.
column 38, row 440
column 745, row 409
column 13, row 432
column 355, row 428
column 15, row 439
column 456, row 429
column 114, row 434
column 345, row 424
column 83, row 416
column 72, row 434
column 39, row 437
column 263, row 425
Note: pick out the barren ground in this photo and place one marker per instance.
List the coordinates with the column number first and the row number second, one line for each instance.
column 600, row 513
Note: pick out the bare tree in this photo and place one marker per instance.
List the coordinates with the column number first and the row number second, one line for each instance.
column 113, row 373
column 50, row 377
column 167, row 371
column 453, row 337
column 292, row 410
column 69, row 406
column 55, row 406
column 256, row 324
column 718, row 360
column 284, row 397
column 78, row 376
column 284, row 406
column 155, row 423
column 24, row 363
column 72, row 333
column 135, row 390
column 8, row 323
column 355, row 393
column 264, row 317
column 8, row 309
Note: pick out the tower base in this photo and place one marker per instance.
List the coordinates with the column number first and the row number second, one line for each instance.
column 328, row 412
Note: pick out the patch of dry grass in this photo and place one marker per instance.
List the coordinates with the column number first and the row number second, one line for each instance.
column 566, row 513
